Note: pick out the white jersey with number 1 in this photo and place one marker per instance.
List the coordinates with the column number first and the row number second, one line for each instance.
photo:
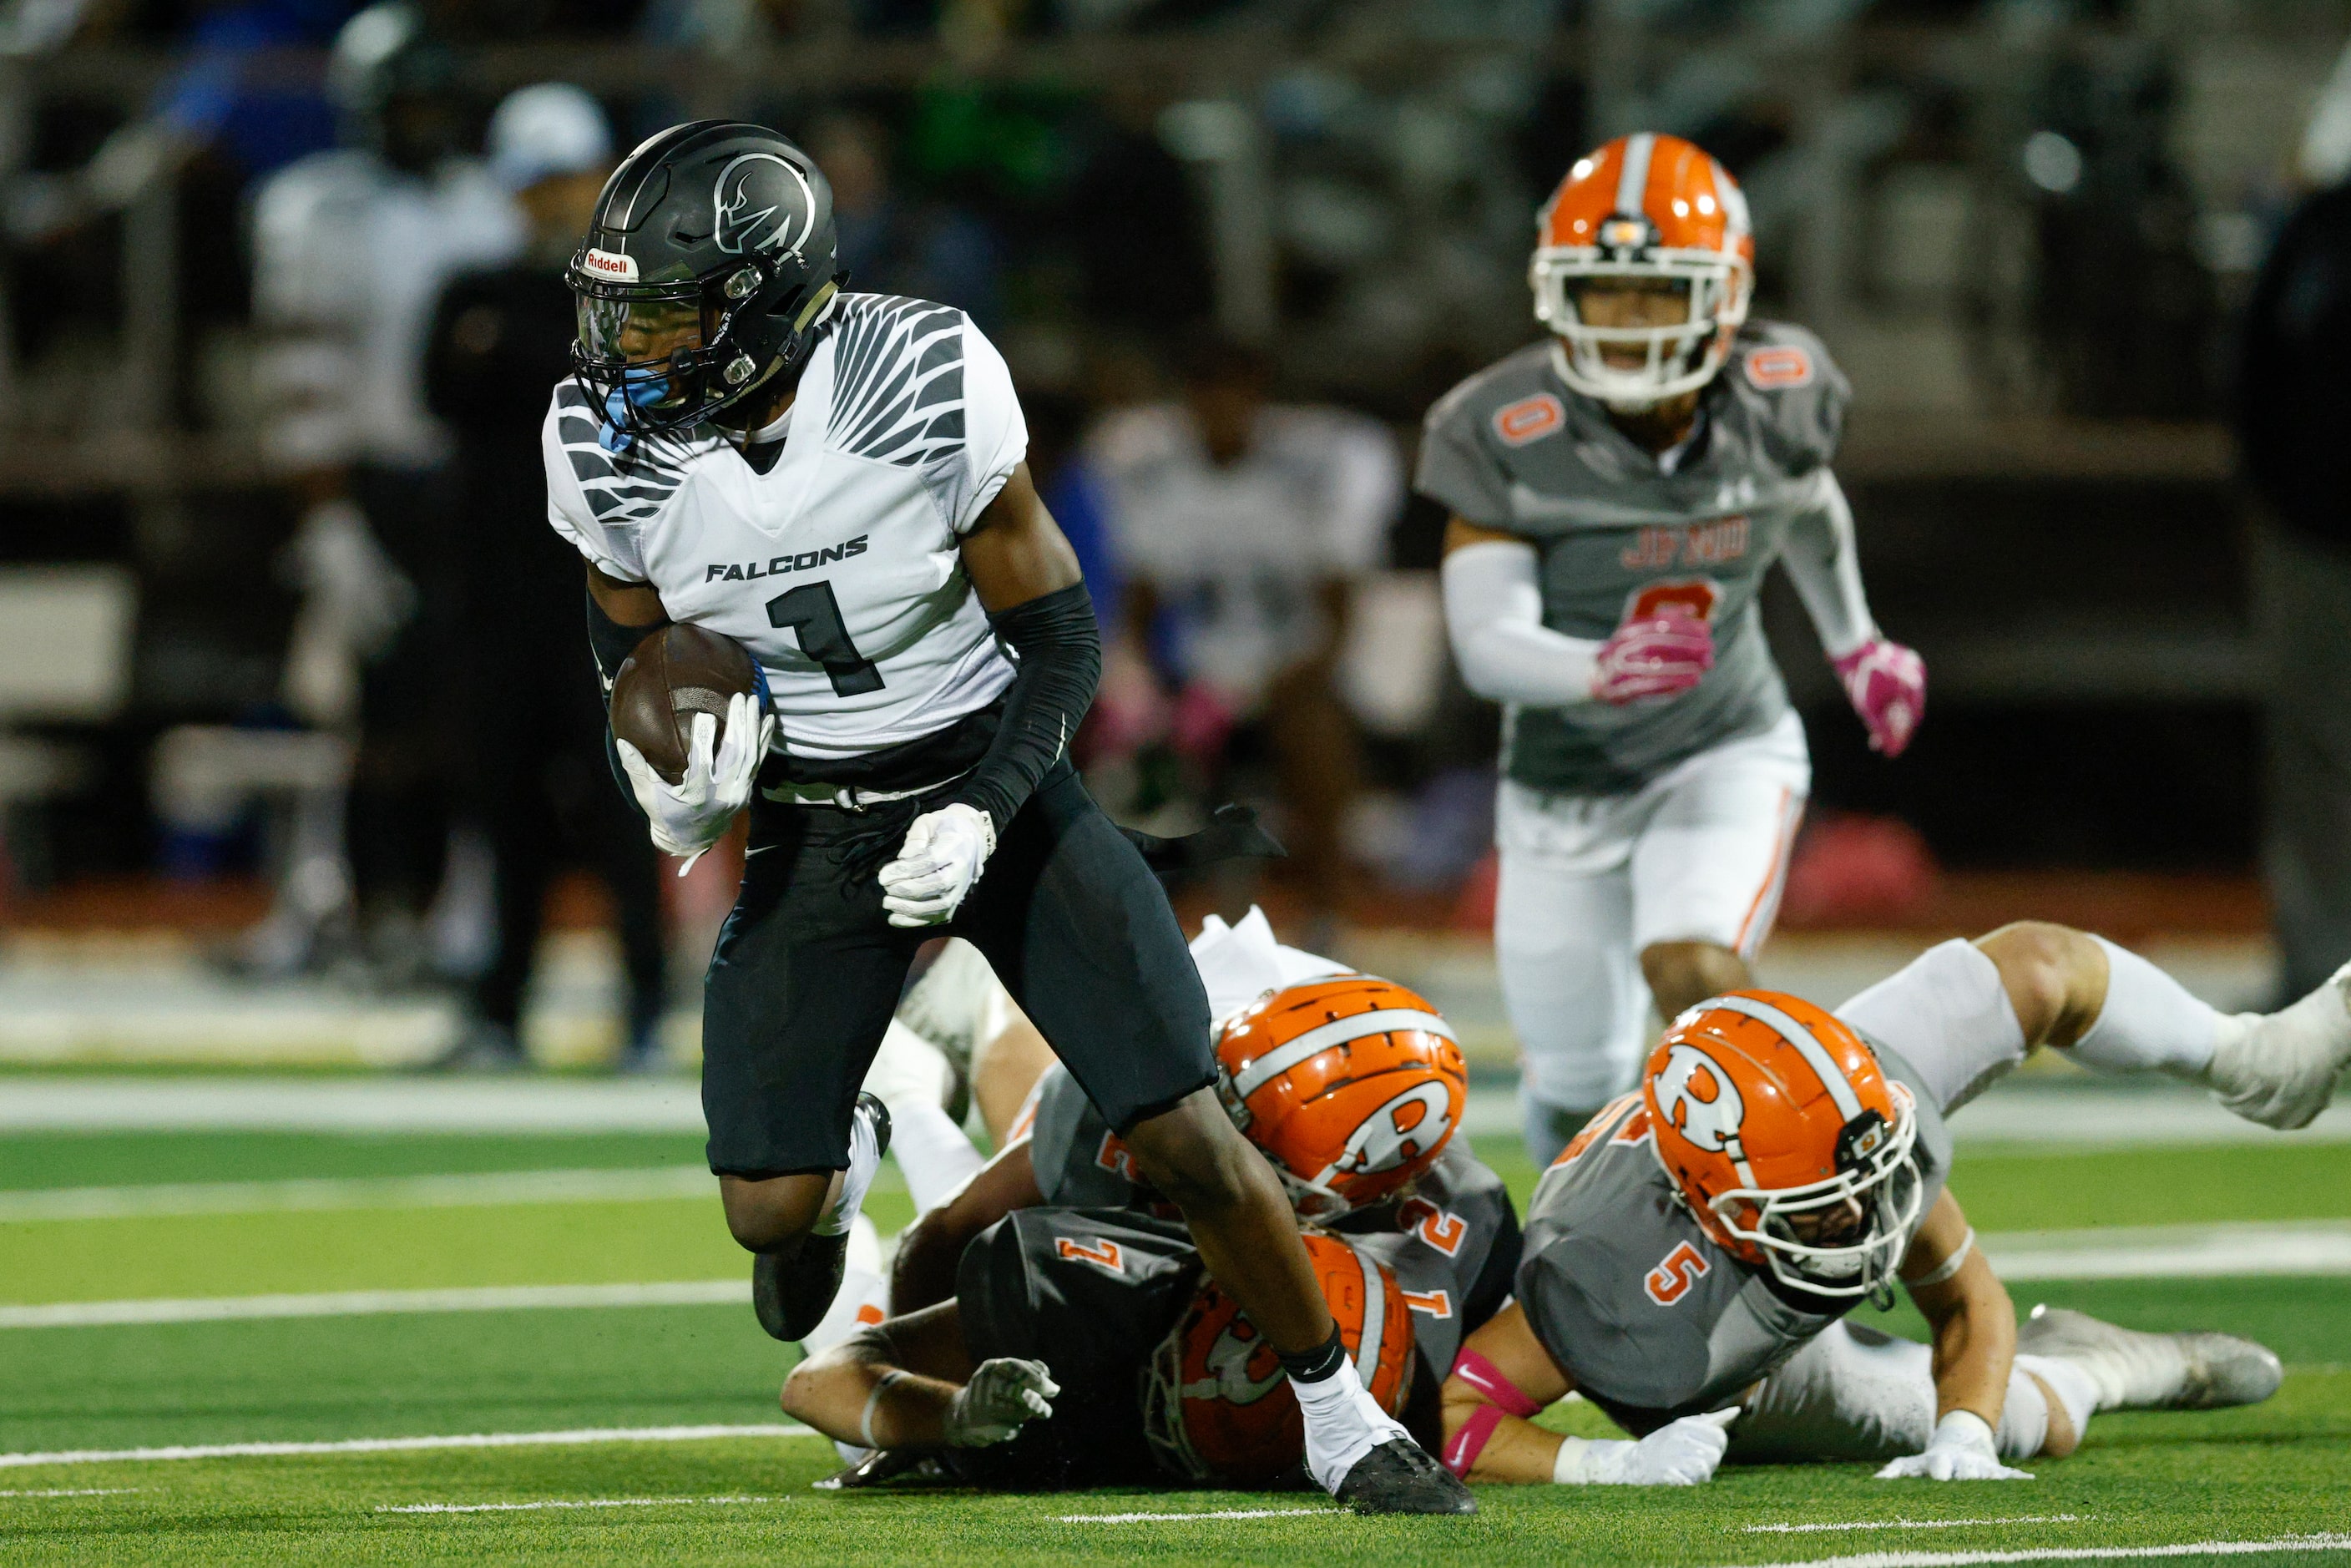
column 837, row 567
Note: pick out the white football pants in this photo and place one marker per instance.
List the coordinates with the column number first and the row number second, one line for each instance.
column 1854, row 1394
column 1698, row 854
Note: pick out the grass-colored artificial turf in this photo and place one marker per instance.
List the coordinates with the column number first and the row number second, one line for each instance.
column 2143, row 1479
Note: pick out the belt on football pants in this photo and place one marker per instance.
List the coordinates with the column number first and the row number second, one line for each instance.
column 849, row 797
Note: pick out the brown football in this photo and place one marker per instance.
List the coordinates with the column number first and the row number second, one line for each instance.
column 674, row 674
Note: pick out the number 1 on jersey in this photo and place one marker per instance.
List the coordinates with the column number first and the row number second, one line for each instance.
column 813, row 615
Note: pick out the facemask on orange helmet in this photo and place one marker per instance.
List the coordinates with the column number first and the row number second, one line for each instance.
column 1217, row 1406
column 1787, row 1141
column 1351, row 1086
column 1647, row 212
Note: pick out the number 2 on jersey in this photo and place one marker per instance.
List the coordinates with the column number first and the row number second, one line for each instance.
column 812, row 614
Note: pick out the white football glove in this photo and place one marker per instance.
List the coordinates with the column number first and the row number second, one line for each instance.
column 1681, row 1453
column 1003, row 1395
column 1961, row 1450
column 689, row 816
column 937, row 865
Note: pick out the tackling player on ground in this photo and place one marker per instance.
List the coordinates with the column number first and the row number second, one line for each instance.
column 1690, row 1259
column 836, row 482
column 1617, row 493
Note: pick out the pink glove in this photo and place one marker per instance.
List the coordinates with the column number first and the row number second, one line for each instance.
column 1661, row 656
column 1887, row 684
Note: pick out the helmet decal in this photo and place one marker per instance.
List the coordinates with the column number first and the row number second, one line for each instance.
column 1228, row 1357
column 1699, row 1098
column 1415, row 1121
column 751, row 204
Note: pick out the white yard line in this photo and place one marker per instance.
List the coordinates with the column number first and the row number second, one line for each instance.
column 558, row 1502
column 2327, row 1543
column 1225, row 1513
column 73, row 1491
column 1909, row 1524
column 471, row 1191
column 401, row 1445
column 368, row 1303
column 2172, row 1251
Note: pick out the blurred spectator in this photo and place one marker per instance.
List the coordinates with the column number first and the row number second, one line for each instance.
column 2292, row 407
column 1240, row 526
column 522, row 676
column 892, row 245
column 350, row 249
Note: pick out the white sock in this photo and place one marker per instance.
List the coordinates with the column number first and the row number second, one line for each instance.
column 2150, row 1021
column 1343, row 1422
column 864, row 1160
column 2075, row 1388
column 932, row 1150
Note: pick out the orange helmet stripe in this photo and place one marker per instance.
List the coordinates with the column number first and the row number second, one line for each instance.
column 1339, row 1031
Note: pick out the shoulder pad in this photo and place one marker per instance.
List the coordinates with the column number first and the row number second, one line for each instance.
column 897, row 379
column 1782, row 375
column 1497, row 393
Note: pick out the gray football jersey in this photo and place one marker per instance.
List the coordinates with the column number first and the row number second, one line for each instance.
column 1080, row 1161
column 1452, row 1239
column 1513, row 448
column 1637, row 1304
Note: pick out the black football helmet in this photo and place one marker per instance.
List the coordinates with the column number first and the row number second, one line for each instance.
column 711, row 270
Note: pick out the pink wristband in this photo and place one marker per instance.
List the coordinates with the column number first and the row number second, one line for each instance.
column 1487, row 1378
column 1470, row 1441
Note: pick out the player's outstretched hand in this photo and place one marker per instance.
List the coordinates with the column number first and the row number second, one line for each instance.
column 1661, row 656
column 1003, row 1395
column 1681, row 1453
column 937, row 865
column 1887, row 684
column 689, row 816
column 1961, row 1450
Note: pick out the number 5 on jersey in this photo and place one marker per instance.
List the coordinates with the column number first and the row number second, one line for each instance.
column 1670, row 1281
column 811, row 613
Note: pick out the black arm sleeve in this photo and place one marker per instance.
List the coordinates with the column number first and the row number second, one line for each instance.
column 1060, row 650
column 613, row 643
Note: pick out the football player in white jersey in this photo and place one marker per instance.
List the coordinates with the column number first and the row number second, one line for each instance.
column 836, row 482
column 1618, row 492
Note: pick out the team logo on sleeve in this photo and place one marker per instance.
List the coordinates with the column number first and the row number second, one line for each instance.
column 1778, row 366
column 758, row 203
column 1698, row 1097
column 1528, row 419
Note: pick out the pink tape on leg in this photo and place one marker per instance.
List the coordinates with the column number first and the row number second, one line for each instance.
column 1487, row 1378
column 1462, row 1451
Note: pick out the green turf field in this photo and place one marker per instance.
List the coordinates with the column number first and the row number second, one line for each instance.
column 2276, row 1472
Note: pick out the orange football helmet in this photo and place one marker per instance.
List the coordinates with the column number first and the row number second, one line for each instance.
column 1217, row 1406
column 1787, row 1141
column 1350, row 1085
column 1645, row 206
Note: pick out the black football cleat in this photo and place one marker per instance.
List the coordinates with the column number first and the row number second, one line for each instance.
column 791, row 1294
column 1400, row 1477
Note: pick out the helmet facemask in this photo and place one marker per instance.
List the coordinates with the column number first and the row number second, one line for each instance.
column 1675, row 358
column 665, row 356
column 1795, row 1231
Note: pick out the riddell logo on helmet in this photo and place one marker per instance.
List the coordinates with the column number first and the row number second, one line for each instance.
column 1698, row 1099
column 609, row 263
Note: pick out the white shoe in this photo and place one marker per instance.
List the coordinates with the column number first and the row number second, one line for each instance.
column 2136, row 1371
column 958, row 1005
column 2279, row 1068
